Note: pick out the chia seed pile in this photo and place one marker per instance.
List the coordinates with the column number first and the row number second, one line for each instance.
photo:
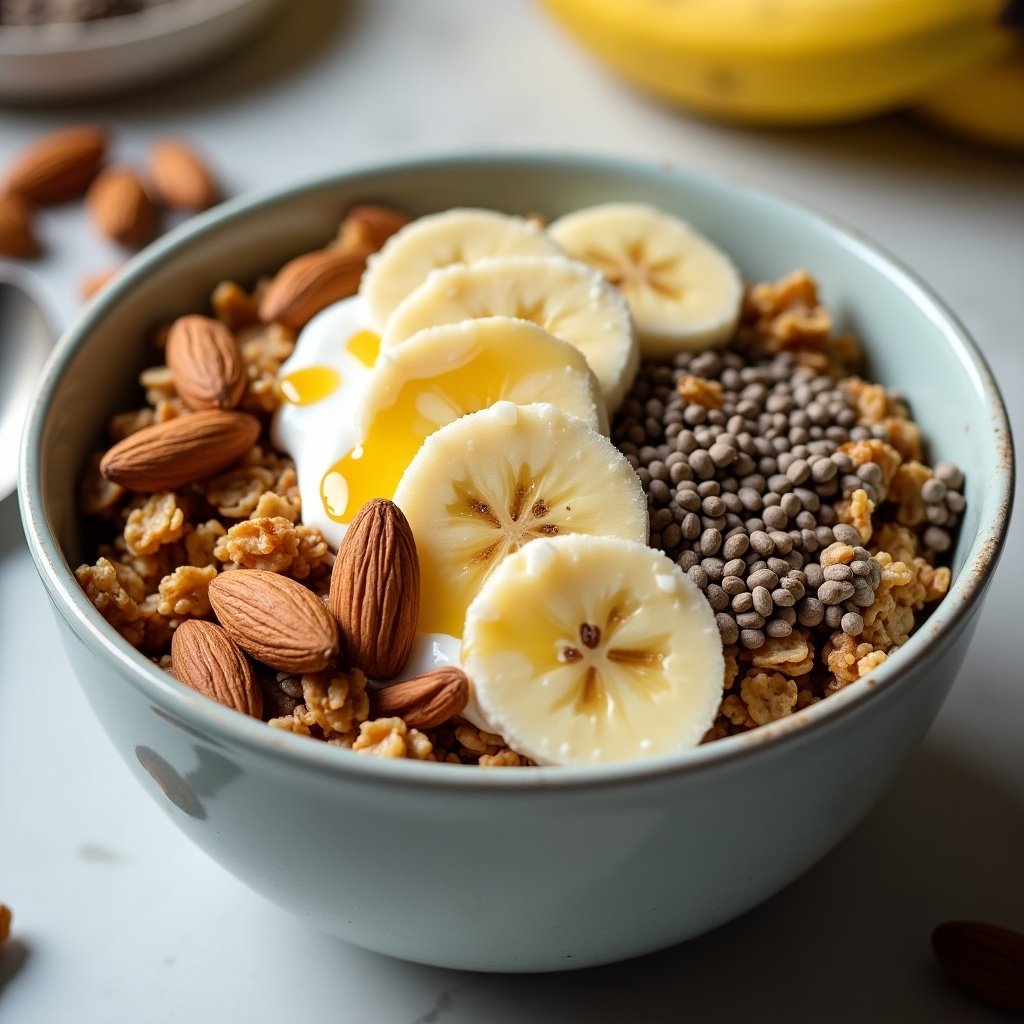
column 743, row 496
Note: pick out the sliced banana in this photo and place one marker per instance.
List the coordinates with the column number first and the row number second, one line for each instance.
column 443, row 373
column 496, row 480
column 461, row 235
column 683, row 291
column 589, row 650
column 565, row 297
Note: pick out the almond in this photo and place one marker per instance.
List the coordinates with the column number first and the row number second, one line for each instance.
column 207, row 659
column 121, row 208
column 17, row 238
column 275, row 619
column 375, row 589
column 306, row 284
column 984, row 959
column 180, row 451
column 367, row 226
column 233, row 305
column 205, row 362
column 58, row 166
column 181, row 177
column 90, row 284
column 424, row 701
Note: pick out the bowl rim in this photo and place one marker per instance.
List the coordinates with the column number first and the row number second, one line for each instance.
column 74, row 37
column 191, row 710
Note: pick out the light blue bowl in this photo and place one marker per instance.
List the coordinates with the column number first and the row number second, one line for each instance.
column 548, row 868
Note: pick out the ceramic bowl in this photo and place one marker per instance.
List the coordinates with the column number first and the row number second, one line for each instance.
column 517, row 870
column 48, row 63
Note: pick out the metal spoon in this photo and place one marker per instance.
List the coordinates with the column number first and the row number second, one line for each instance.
column 25, row 341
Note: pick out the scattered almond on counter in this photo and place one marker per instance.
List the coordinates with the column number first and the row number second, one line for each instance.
column 425, row 701
column 181, row 177
column 120, row 207
column 276, row 620
column 67, row 164
column 375, row 589
column 205, row 362
column 204, row 657
column 5, row 922
column 89, row 285
column 984, row 959
column 17, row 236
column 59, row 165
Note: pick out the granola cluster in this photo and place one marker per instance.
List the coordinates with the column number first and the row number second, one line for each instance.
column 157, row 554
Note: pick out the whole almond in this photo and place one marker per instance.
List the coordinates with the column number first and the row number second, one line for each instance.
column 204, row 657
column 180, row 451
column 375, row 589
column 181, row 177
column 90, row 284
column 278, row 621
column 120, row 207
column 984, row 959
column 424, row 701
column 306, row 284
column 367, row 226
column 58, row 166
column 205, row 362
column 17, row 238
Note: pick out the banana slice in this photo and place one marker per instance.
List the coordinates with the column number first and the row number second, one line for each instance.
column 565, row 297
column 683, row 292
column 496, row 480
column 589, row 650
column 440, row 374
column 461, row 235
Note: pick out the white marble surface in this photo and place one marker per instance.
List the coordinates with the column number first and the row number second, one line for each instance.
column 118, row 918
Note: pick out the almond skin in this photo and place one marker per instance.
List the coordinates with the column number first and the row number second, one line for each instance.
column 367, row 226
column 120, row 207
column 424, row 701
column 375, row 590
column 181, row 177
column 984, row 959
column 58, row 166
column 275, row 619
column 205, row 362
column 89, row 285
column 17, row 238
column 180, row 451
column 306, row 284
column 204, row 657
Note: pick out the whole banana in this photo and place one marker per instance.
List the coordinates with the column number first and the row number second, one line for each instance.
column 790, row 62
column 985, row 105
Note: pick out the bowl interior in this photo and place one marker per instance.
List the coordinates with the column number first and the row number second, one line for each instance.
column 913, row 344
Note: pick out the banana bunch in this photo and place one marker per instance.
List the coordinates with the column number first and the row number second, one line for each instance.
column 504, row 348
column 985, row 105
column 800, row 62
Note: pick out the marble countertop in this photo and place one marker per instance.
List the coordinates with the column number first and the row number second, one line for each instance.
column 119, row 918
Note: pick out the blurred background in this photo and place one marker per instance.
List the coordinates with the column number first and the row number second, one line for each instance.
column 902, row 118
